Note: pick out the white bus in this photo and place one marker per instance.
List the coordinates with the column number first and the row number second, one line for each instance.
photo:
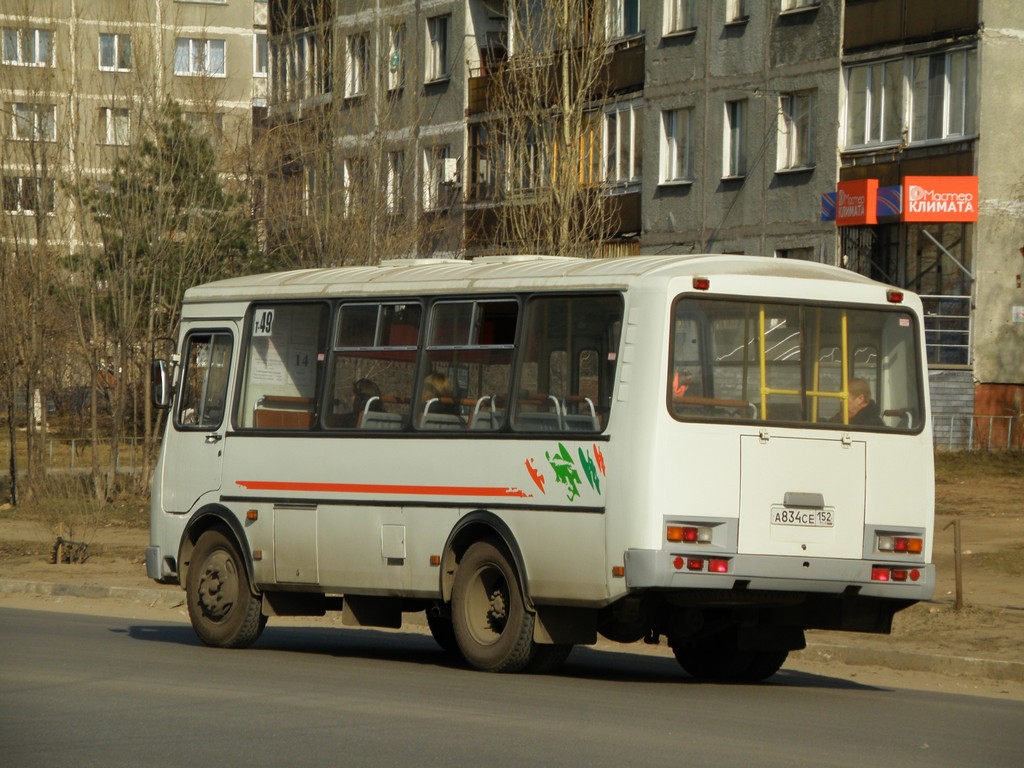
column 721, row 451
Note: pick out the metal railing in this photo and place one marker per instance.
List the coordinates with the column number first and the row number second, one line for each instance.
column 947, row 329
column 984, row 434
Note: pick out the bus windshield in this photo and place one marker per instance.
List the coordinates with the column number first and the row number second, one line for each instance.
column 820, row 365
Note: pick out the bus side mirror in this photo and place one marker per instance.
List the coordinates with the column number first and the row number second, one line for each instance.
column 160, row 383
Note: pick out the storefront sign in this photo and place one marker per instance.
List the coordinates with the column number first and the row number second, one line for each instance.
column 940, row 198
column 856, row 202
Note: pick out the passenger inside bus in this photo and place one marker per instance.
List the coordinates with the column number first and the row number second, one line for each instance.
column 440, row 407
column 861, row 408
column 365, row 399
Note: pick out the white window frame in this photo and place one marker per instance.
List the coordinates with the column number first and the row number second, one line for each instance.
column 795, row 6
column 734, row 139
column 623, row 18
column 957, row 102
column 260, row 55
column 433, row 177
column 736, row 11
column 200, row 57
column 881, row 112
column 676, row 146
column 115, row 126
column 121, row 51
column 393, row 187
column 680, row 16
column 357, row 64
column 623, row 144
column 33, row 122
column 796, row 131
column 438, row 66
column 16, row 184
column 27, row 47
column 396, row 57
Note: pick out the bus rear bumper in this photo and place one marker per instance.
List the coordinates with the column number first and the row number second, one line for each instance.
column 658, row 569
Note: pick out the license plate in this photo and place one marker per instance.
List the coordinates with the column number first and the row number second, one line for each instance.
column 804, row 518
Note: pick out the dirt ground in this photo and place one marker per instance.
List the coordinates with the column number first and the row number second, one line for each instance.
column 986, row 497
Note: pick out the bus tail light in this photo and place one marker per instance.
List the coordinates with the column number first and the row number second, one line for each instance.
column 695, row 564
column 701, row 283
column 898, row 574
column 689, row 534
column 906, row 545
column 894, row 296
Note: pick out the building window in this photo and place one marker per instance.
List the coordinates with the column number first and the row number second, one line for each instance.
column 437, row 48
column 623, row 145
column 438, row 174
column 28, row 47
column 193, row 56
column 675, row 145
column 301, row 69
column 114, row 126
column 260, row 55
column 795, row 132
column 623, row 19
column 944, row 95
column 735, row 10
column 874, row 103
column 27, row 194
column 393, row 189
column 799, row 5
column 679, row 16
column 483, row 162
column 806, row 253
column 357, row 60
column 734, row 150
column 115, row 52
column 34, row 122
column 396, row 57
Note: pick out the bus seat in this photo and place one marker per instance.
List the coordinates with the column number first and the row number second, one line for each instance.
column 380, row 420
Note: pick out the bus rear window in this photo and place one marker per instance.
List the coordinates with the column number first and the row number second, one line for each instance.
column 831, row 366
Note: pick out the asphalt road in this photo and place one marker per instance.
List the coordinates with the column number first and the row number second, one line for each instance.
column 97, row 691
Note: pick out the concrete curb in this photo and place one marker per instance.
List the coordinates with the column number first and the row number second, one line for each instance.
column 170, row 597
column 950, row 666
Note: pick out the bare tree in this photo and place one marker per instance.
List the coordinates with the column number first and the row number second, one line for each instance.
column 541, row 133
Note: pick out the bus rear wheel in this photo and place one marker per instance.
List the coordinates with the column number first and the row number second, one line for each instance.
column 223, row 610
column 493, row 629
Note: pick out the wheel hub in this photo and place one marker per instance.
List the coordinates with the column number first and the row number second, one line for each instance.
column 218, row 587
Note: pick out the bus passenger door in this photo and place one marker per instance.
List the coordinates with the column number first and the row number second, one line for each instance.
column 194, row 453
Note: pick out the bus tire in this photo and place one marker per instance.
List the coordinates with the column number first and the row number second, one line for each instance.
column 223, row 610
column 442, row 631
column 493, row 629
column 713, row 658
column 764, row 665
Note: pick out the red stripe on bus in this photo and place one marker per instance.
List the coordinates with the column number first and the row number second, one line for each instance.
column 401, row 490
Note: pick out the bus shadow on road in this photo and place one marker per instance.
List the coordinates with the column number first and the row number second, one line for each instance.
column 417, row 648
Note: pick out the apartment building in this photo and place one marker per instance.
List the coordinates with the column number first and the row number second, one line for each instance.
column 80, row 81
column 928, row 151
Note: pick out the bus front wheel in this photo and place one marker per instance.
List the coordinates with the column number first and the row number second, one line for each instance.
column 221, row 606
column 493, row 629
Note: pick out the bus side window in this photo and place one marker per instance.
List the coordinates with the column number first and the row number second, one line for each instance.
column 372, row 366
column 282, row 366
column 565, row 379
column 204, row 386
column 468, row 365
